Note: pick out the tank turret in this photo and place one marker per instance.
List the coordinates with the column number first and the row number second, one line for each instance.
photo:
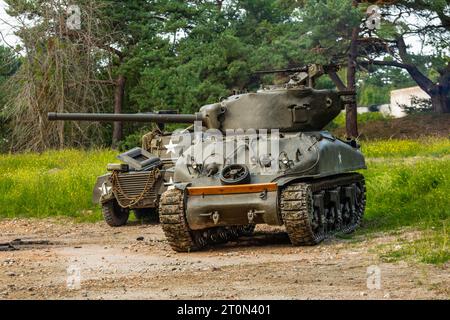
column 291, row 107
column 289, row 110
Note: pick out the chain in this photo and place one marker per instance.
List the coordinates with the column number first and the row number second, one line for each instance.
column 117, row 188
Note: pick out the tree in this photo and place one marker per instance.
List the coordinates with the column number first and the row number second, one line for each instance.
column 375, row 87
column 337, row 31
column 62, row 70
column 330, row 36
column 216, row 51
column 428, row 20
column 9, row 64
column 136, row 25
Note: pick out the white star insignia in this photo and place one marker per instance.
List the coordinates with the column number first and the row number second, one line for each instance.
column 171, row 147
column 105, row 189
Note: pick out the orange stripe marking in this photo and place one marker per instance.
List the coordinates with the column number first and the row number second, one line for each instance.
column 240, row 188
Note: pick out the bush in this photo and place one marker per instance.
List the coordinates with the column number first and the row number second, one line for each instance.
column 131, row 141
column 418, row 105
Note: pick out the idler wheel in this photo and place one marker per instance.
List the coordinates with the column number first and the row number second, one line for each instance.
column 235, row 174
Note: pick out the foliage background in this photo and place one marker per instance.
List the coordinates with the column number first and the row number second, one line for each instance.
column 175, row 55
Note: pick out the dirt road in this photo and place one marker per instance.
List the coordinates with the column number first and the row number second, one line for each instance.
column 59, row 259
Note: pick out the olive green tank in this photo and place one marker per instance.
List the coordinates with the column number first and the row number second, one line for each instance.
column 262, row 158
column 267, row 160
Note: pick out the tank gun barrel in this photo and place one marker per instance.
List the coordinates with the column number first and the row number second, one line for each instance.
column 314, row 70
column 140, row 117
column 289, row 70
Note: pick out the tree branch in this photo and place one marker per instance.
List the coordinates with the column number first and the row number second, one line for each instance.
column 337, row 81
column 423, row 81
column 426, row 84
column 385, row 63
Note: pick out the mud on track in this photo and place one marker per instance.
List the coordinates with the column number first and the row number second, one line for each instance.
column 113, row 264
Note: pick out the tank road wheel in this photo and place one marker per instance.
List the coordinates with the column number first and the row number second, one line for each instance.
column 148, row 214
column 297, row 210
column 173, row 221
column 115, row 215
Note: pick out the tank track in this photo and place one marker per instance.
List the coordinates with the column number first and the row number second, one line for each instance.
column 178, row 234
column 173, row 221
column 307, row 224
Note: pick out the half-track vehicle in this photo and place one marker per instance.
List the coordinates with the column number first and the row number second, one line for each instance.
column 137, row 183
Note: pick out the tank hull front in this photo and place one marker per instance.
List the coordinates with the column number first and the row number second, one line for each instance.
column 232, row 206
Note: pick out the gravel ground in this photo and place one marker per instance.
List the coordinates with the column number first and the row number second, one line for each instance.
column 60, row 259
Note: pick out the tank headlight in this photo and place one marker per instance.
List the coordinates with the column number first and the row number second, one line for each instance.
column 121, row 167
column 194, row 166
column 266, row 160
column 285, row 161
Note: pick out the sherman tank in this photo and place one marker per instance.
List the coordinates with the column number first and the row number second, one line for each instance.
column 264, row 158
column 135, row 184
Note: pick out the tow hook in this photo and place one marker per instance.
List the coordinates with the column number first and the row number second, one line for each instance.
column 215, row 216
column 252, row 215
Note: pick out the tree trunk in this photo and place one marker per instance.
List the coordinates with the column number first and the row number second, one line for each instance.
column 118, row 103
column 351, row 118
column 440, row 102
column 440, row 97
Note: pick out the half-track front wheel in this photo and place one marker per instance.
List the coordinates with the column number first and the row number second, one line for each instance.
column 114, row 214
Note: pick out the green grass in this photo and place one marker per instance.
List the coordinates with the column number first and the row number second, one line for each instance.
column 408, row 186
column 426, row 147
column 432, row 248
column 410, row 194
column 55, row 183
